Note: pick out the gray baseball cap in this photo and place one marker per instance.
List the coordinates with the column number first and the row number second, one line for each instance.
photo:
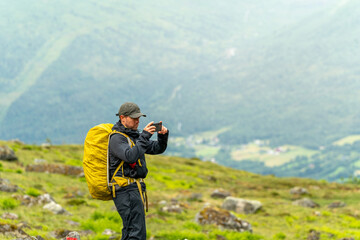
column 130, row 109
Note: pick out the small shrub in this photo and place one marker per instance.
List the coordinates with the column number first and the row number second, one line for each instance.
column 274, row 194
column 9, row 204
column 76, row 202
column 97, row 215
column 311, row 218
column 279, row 236
column 192, row 226
column 39, row 186
column 82, row 179
column 33, row 192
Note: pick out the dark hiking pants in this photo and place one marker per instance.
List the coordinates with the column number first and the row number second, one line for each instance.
column 131, row 209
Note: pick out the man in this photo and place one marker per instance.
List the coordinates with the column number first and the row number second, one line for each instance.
column 129, row 199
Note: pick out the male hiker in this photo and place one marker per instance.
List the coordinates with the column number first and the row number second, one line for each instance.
column 130, row 192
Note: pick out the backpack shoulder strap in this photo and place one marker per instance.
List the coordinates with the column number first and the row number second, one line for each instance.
column 131, row 144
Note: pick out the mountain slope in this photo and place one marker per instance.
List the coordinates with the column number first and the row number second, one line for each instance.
column 267, row 72
column 174, row 179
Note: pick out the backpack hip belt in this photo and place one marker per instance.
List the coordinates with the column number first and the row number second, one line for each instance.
column 126, row 181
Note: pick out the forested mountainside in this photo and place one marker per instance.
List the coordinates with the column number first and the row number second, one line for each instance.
column 274, row 70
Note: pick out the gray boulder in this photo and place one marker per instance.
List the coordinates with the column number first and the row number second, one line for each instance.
column 56, row 168
column 45, row 198
column 195, row 197
column 337, row 205
column 306, row 202
column 175, row 208
column 220, row 193
column 222, row 218
column 240, row 205
column 7, row 154
column 313, row 235
column 11, row 216
column 14, row 230
column 108, row 232
column 55, row 208
column 31, row 201
column 5, row 186
column 60, row 233
column 298, row 191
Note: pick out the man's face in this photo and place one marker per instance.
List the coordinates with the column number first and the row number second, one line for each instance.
column 132, row 123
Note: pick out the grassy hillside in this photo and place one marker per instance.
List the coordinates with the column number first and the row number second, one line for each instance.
column 178, row 178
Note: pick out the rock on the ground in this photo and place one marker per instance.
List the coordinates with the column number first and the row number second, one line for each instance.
column 5, row 186
column 220, row 193
column 298, row 191
column 313, row 235
column 56, row 168
column 306, row 202
column 31, row 201
column 7, row 154
column 11, row 216
column 195, row 197
column 240, row 205
column 14, row 230
column 336, row 205
column 222, row 218
column 73, row 235
column 55, row 208
column 175, row 208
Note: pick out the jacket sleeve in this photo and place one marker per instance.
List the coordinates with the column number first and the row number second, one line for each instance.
column 119, row 147
column 159, row 146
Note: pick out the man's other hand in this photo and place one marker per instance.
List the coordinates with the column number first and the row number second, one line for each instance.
column 164, row 130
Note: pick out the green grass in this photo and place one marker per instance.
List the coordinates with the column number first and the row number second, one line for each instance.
column 178, row 178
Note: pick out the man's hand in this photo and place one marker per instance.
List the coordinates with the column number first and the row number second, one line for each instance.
column 150, row 128
column 164, row 130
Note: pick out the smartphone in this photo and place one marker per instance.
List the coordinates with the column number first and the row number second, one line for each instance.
column 158, row 126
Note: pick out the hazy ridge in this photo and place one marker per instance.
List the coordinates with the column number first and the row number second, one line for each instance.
column 271, row 70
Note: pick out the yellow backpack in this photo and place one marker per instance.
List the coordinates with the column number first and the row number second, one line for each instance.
column 96, row 160
column 96, row 165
